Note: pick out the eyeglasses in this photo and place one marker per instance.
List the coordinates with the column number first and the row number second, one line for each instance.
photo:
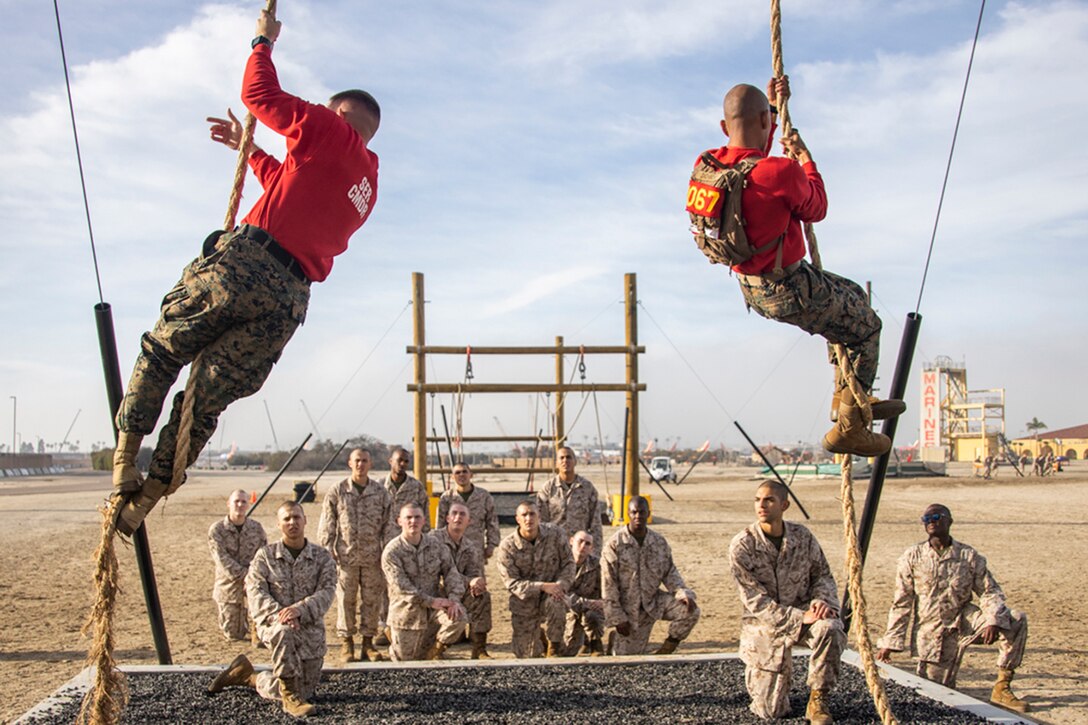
column 932, row 518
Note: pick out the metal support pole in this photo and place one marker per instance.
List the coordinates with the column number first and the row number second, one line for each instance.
column 631, row 321
column 898, row 389
column 773, row 470
column 880, row 468
column 560, row 398
column 288, row 462
column 420, row 400
column 623, row 471
column 111, row 367
column 328, row 463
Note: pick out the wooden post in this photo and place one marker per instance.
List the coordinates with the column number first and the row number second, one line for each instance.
column 418, row 338
column 631, row 321
column 560, row 398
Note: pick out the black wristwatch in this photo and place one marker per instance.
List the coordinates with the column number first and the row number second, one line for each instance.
column 774, row 109
column 260, row 40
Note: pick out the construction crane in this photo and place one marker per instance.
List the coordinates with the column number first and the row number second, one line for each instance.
column 517, row 448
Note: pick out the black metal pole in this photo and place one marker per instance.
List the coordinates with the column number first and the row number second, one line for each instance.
column 449, row 441
column 692, row 467
column 111, row 367
column 322, row 473
column 623, row 468
column 648, row 473
column 775, row 472
column 287, row 463
column 898, row 389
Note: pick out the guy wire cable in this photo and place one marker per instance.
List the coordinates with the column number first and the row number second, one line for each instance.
column 948, row 166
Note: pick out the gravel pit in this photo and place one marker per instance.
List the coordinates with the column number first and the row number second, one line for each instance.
column 686, row 692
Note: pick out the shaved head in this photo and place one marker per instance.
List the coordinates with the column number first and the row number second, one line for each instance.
column 744, row 103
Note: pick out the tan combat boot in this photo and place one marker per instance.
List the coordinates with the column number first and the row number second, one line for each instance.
column 369, row 651
column 882, row 409
column 816, row 712
column 347, row 649
column 479, row 646
column 851, row 435
column 133, row 508
column 239, row 673
column 555, row 649
column 1002, row 694
column 668, row 646
column 596, row 647
column 437, row 651
column 382, row 640
column 126, row 477
column 293, row 703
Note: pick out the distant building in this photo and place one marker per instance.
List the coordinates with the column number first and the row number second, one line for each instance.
column 1069, row 442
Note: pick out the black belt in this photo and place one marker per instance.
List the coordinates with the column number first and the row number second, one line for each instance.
column 755, row 280
column 265, row 241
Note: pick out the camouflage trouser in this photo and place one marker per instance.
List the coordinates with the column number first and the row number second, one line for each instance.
column 268, row 685
column 526, row 618
column 825, row 304
column 234, row 620
column 676, row 613
column 1010, row 646
column 286, row 663
column 479, row 612
column 406, row 645
column 589, row 623
column 236, row 307
column 770, row 689
column 358, row 592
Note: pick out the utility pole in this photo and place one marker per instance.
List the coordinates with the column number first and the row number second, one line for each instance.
column 14, row 420
column 312, row 423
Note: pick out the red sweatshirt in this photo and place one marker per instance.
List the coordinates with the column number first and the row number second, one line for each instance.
column 780, row 194
column 326, row 187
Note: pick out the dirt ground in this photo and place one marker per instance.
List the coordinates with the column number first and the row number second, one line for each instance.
column 50, row 529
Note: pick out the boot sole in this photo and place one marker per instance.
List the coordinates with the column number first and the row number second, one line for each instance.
column 840, row 449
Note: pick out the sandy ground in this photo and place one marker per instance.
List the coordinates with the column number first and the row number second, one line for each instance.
column 1033, row 531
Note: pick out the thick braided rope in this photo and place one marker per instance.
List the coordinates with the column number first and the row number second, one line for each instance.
column 859, row 621
column 853, row 553
column 784, row 113
column 103, row 703
column 181, row 453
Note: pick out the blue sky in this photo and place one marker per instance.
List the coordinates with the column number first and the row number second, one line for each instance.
column 531, row 154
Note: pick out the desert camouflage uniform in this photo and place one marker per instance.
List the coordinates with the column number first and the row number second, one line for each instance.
column 825, row 304
column 573, row 507
column 236, row 307
column 631, row 578
column 483, row 525
column 776, row 588
column 416, row 575
column 582, row 620
column 233, row 547
column 524, row 566
column 411, row 490
column 277, row 580
column 939, row 585
column 355, row 527
column 470, row 564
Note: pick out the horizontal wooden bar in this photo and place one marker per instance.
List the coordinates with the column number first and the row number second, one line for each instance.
column 550, row 468
column 530, row 350
column 490, row 439
column 523, row 387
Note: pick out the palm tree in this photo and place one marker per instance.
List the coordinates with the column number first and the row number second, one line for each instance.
column 1034, row 426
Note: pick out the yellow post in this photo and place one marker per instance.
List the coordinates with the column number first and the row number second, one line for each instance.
column 418, row 337
column 619, row 509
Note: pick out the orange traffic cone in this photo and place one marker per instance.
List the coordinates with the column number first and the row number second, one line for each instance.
column 253, row 497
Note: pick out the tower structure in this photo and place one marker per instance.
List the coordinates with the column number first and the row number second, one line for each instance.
column 956, row 422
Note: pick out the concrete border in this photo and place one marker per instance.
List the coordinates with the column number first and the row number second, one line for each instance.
column 76, row 687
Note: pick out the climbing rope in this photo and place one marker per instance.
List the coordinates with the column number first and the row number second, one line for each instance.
column 859, row 621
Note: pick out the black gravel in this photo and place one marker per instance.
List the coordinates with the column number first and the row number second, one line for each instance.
column 684, row 692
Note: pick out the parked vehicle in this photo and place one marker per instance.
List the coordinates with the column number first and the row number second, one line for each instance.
column 661, row 469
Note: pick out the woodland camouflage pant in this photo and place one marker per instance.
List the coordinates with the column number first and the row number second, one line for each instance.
column 236, row 306
column 825, row 304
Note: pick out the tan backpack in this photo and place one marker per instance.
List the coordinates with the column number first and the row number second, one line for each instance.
column 714, row 195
